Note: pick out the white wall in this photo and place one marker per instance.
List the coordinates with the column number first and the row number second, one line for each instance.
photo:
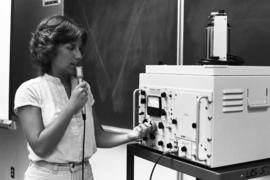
column 13, row 153
column 5, row 14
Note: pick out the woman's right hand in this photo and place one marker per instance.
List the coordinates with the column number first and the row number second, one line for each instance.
column 79, row 97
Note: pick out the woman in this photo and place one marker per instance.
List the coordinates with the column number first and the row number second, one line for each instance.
column 49, row 106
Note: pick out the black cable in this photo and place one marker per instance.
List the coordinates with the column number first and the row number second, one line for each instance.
column 83, row 144
column 164, row 153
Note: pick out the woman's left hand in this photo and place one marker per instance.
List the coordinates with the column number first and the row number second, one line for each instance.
column 142, row 130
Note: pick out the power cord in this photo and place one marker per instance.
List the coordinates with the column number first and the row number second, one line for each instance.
column 83, row 144
column 163, row 154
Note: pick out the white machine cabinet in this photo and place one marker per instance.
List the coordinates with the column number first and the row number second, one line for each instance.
column 213, row 115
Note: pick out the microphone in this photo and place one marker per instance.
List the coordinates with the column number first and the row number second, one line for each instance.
column 79, row 75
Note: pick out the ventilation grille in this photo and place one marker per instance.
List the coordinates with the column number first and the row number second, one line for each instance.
column 233, row 100
column 50, row 2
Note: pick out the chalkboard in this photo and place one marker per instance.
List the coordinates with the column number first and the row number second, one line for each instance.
column 125, row 35
column 250, row 29
column 25, row 17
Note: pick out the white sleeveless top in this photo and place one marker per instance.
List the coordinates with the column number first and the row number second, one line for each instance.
column 48, row 93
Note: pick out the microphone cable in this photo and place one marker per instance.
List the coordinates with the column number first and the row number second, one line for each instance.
column 83, row 144
column 79, row 75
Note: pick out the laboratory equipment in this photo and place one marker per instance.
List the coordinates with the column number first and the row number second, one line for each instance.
column 215, row 115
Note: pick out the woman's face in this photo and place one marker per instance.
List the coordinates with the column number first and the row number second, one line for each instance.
column 67, row 58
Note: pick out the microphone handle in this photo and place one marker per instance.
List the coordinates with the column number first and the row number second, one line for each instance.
column 83, row 108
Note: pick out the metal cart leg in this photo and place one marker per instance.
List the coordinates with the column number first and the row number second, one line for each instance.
column 130, row 165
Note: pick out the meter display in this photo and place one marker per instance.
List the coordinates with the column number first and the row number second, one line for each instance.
column 154, row 106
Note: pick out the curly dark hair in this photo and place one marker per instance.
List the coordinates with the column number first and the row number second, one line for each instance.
column 51, row 32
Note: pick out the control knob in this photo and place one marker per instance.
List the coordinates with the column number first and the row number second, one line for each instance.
column 174, row 121
column 169, row 145
column 160, row 125
column 160, row 143
column 184, row 149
